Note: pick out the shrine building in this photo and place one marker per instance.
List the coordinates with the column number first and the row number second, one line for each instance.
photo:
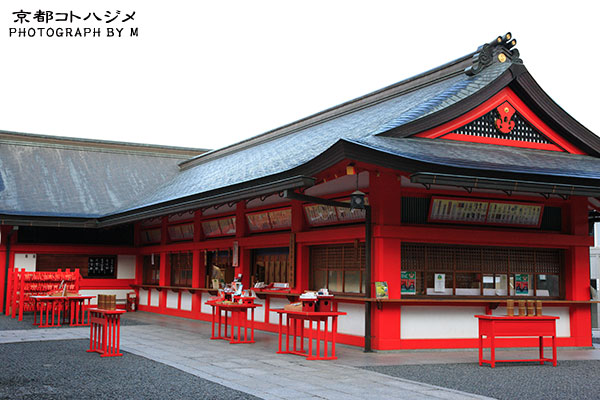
column 458, row 189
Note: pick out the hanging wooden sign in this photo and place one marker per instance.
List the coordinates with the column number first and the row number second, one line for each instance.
column 488, row 212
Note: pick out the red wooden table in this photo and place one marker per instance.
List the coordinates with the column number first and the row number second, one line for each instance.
column 78, row 307
column 239, row 319
column 49, row 308
column 294, row 327
column 105, row 332
column 71, row 308
column 493, row 326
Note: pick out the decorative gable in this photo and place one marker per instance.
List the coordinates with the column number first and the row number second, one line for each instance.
column 502, row 120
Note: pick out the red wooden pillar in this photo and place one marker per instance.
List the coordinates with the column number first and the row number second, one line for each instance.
column 198, row 273
column 297, row 216
column 11, row 267
column 163, row 280
column 385, row 323
column 198, row 232
column 241, row 225
column 577, row 279
column 139, row 269
column 385, row 200
column 302, row 267
column 4, row 235
column 302, row 272
column 137, row 234
column 578, row 288
column 199, row 262
column 245, row 267
column 3, row 270
column 241, row 231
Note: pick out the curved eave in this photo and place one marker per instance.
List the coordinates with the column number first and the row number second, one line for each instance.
column 522, row 83
column 230, row 194
column 301, row 177
column 558, row 119
column 48, row 221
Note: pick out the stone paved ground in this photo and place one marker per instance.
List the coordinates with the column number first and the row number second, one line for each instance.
column 62, row 369
column 523, row 381
column 256, row 369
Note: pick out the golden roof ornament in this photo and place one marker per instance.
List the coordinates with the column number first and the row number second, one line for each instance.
column 501, row 49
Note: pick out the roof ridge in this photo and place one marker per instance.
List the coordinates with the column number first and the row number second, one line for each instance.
column 31, row 139
column 92, row 149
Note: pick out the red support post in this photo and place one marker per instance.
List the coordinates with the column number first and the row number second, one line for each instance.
column 21, row 294
column 9, row 294
column 163, row 280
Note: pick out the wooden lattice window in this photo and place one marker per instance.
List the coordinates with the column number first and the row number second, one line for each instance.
column 483, row 271
column 270, row 265
column 219, row 267
column 339, row 268
column 151, row 270
column 181, row 269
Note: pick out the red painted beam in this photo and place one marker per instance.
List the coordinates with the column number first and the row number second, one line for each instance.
column 469, row 236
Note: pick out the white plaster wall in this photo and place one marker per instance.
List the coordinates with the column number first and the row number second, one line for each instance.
column 203, row 307
column 154, row 297
column 430, row 322
column 595, row 263
column 172, row 299
column 143, row 297
column 259, row 312
column 354, row 322
column 186, row 301
column 595, row 273
column 126, row 267
column 27, row 261
column 276, row 302
column 121, row 293
column 563, row 325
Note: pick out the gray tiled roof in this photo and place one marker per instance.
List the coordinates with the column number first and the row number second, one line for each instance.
column 53, row 180
column 294, row 149
column 460, row 90
column 72, row 182
column 487, row 156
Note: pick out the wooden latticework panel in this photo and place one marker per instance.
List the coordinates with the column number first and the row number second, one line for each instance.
column 441, row 258
column 494, row 259
column 547, row 262
column 481, row 259
column 468, row 258
column 151, row 270
column 181, row 269
column 340, row 268
column 522, row 261
column 413, row 256
column 485, row 126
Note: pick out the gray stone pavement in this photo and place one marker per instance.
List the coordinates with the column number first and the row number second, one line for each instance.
column 257, row 369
